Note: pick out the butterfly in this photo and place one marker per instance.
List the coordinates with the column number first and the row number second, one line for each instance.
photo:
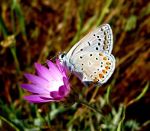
column 90, row 59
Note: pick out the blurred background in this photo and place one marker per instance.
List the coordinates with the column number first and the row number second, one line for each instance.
column 35, row 30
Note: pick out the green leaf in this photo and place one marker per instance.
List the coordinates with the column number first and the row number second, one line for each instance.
column 119, row 128
column 131, row 23
column 140, row 95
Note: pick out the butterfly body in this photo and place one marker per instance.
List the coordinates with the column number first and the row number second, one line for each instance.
column 91, row 59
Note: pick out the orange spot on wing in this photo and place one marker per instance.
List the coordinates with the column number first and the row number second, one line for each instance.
column 104, row 71
column 107, row 67
column 95, row 80
column 100, row 54
column 108, row 63
column 100, row 76
column 105, row 58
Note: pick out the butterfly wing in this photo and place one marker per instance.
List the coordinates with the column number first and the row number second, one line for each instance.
column 91, row 57
column 94, row 66
column 100, row 39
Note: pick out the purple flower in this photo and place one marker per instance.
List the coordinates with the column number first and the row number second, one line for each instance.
column 50, row 84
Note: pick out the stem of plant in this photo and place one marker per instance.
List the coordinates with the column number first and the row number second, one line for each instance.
column 89, row 106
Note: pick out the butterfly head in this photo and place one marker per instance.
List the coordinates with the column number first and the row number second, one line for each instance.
column 64, row 60
column 62, row 57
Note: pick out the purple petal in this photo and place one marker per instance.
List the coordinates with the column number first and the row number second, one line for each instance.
column 66, row 83
column 35, row 88
column 36, row 80
column 55, row 95
column 63, row 91
column 54, row 70
column 43, row 71
column 36, row 99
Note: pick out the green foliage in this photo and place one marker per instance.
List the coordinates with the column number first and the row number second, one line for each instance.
column 131, row 23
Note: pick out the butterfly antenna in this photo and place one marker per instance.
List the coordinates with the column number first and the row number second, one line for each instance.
column 69, row 75
column 53, row 58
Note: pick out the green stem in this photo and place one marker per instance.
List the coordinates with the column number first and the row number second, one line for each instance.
column 104, row 12
column 49, row 117
column 89, row 106
column 10, row 123
column 3, row 28
column 13, row 51
column 6, row 34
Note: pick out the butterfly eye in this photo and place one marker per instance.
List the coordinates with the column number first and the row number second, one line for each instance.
column 62, row 55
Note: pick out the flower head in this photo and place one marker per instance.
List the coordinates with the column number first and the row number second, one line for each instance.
column 50, row 84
